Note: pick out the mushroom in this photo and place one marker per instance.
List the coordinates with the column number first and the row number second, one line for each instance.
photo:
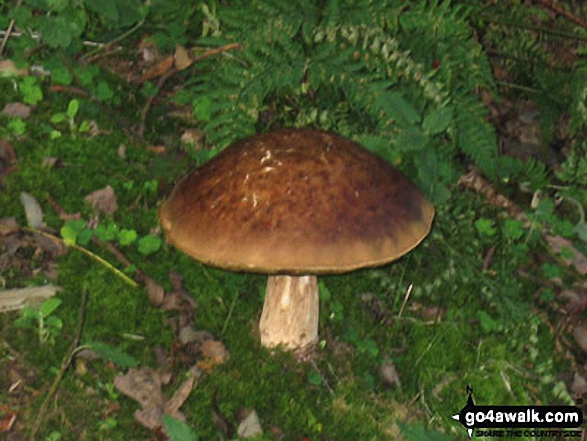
column 295, row 204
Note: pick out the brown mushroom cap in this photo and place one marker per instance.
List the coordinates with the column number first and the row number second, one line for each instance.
column 296, row 202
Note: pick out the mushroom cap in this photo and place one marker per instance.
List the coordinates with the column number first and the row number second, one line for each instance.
column 296, row 202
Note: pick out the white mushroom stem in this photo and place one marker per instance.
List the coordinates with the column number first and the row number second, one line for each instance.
column 290, row 312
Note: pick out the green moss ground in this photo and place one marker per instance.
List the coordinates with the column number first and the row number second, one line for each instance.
column 508, row 358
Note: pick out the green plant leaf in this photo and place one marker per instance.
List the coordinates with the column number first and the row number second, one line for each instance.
column 49, row 306
column 61, row 75
column 487, row 322
column 314, row 378
column 397, row 108
column 113, row 354
column 103, row 91
column 178, row 430
column 485, row 227
column 202, row 108
column 56, row 31
column 412, row 139
column 31, row 90
column 149, row 244
column 72, row 109
column 513, row 229
column 105, row 8
column 126, row 237
column 85, row 126
column 58, row 118
column 438, row 120
column 106, row 232
column 84, row 237
column 70, row 230
column 17, row 126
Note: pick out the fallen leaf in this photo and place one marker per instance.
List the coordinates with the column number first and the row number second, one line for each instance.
column 579, row 386
column 17, row 110
column 389, row 374
column 155, row 292
column 7, row 419
column 183, row 59
column 181, row 394
column 249, row 425
column 8, row 225
column 161, row 68
column 103, row 200
column 193, row 138
column 144, row 385
column 580, row 334
column 13, row 299
column 32, row 211
column 188, row 335
column 428, row 312
column 575, row 299
column 215, row 351
column 9, row 69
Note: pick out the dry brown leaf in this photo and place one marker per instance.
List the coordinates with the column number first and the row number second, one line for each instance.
column 428, row 312
column 155, row 291
column 103, row 200
column 144, row 385
column 13, row 299
column 9, row 69
column 249, row 425
column 193, row 138
column 580, row 334
column 7, row 419
column 389, row 374
column 8, row 225
column 183, row 58
column 579, row 386
column 17, row 110
column 181, row 394
column 215, row 351
column 160, row 69
column 32, row 210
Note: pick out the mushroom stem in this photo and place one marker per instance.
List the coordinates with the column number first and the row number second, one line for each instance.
column 290, row 312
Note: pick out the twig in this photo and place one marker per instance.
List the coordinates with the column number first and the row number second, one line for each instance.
column 88, row 253
column 218, row 50
column 147, row 107
column 560, row 11
column 322, row 377
column 6, row 37
column 64, row 366
column 8, row 31
column 407, row 296
column 117, row 39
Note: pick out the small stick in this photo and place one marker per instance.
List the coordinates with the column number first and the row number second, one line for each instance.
column 8, row 31
column 560, row 11
column 406, row 297
column 147, row 107
column 218, row 50
column 64, row 366
column 87, row 252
